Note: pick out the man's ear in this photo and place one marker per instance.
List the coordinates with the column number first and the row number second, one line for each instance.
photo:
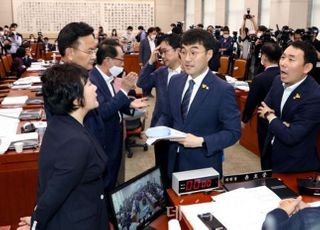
column 69, row 53
column 209, row 54
column 307, row 68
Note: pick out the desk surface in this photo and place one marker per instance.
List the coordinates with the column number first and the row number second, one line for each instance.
column 288, row 178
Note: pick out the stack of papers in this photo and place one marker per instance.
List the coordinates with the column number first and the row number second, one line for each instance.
column 14, row 100
column 36, row 66
column 27, row 80
column 242, row 85
column 163, row 133
column 240, row 209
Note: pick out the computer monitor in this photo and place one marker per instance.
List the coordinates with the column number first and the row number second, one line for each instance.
column 138, row 201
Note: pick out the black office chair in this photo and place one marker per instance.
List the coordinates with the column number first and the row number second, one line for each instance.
column 134, row 127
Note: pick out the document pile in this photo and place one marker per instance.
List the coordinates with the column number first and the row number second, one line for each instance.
column 163, row 133
column 14, row 100
column 26, row 82
column 242, row 85
column 240, row 209
column 37, row 66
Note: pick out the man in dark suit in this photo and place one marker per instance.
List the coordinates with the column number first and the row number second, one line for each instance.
column 147, row 46
column 261, row 84
column 292, row 109
column 105, row 122
column 76, row 44
column 160, row 78
column 293, row 214
column 201, row 105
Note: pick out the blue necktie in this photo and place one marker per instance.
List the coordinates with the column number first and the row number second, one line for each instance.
column 186, row 100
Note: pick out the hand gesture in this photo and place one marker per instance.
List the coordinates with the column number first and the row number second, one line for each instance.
column 24, row 223
column 129, row 81
column 139, row 103
column 190, row 141
column 290, row 206
column 154, row 55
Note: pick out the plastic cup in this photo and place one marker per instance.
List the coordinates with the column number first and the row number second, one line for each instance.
column 18, row 146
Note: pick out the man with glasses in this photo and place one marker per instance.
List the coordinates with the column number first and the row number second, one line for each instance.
column 105, row 122
column 76, row 44
column 159, row 79
column 202, row 105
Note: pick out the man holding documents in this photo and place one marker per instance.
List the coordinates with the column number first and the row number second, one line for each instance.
column 201, row 105
column 160, row 78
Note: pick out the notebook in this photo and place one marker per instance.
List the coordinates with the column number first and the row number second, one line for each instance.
column 138, row 201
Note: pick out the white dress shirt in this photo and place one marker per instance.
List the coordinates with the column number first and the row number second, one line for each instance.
column 172, row 72
column 288, row 90
column 198, row 80
column 109, row 81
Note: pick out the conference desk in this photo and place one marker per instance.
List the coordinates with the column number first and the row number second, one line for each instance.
column 18, row 172
column 288, row 178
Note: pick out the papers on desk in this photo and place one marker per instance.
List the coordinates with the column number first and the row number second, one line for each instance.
column 36, row 66
column 240, row 209
column 163, row 133
column 27, row 80
column 9, row 119
column 242, row 85
column 14, row 100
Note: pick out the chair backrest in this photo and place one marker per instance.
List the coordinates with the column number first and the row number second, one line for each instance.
column 224, row 64
column 239, row 68
column 2, row 69
column 10, row 60
column 6, row 64
column 48, row 56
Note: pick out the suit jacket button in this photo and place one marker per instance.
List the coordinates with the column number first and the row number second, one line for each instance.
column 101, row 196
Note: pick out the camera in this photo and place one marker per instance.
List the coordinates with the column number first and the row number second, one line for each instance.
column 217, row 32
column 248, row 16
column 283, row 36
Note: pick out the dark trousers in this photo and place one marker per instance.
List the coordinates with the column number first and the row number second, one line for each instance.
column 161, row 157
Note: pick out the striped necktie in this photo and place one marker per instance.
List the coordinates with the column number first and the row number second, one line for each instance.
column 186, row 100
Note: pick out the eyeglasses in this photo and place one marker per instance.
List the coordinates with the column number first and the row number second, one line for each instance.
column 119, row 59
column 89, row 52
column 192, row 53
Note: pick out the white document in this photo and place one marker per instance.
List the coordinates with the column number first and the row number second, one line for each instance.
column 163, row 133
column 240, row 209
column 14, row 100
column 26, row 86
column 27, row 80
column 35, row 66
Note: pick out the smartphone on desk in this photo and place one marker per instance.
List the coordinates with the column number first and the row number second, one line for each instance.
column 211, row 222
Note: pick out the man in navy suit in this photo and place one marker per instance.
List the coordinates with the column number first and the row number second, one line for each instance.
column 261, row 84
column 160, row 78
column 293, row 214
column 105, row 122
column 147, row 46
column 292, row 109
column 201, row 105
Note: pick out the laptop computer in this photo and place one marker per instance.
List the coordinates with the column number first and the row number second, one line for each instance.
column 138, row 201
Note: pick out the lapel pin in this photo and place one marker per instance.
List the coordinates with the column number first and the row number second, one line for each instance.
column 204, row 86
column 297, row 96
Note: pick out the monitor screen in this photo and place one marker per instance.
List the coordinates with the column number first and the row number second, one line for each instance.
column 139, row 201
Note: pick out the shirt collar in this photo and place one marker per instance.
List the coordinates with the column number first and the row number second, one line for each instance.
column 199, row 78
column 105, row 76
column 294, row 86
column 177, row 70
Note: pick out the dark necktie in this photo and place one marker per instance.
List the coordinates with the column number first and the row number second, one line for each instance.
column 186, row 100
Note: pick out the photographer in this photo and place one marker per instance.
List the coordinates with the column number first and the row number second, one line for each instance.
column 316, row 44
